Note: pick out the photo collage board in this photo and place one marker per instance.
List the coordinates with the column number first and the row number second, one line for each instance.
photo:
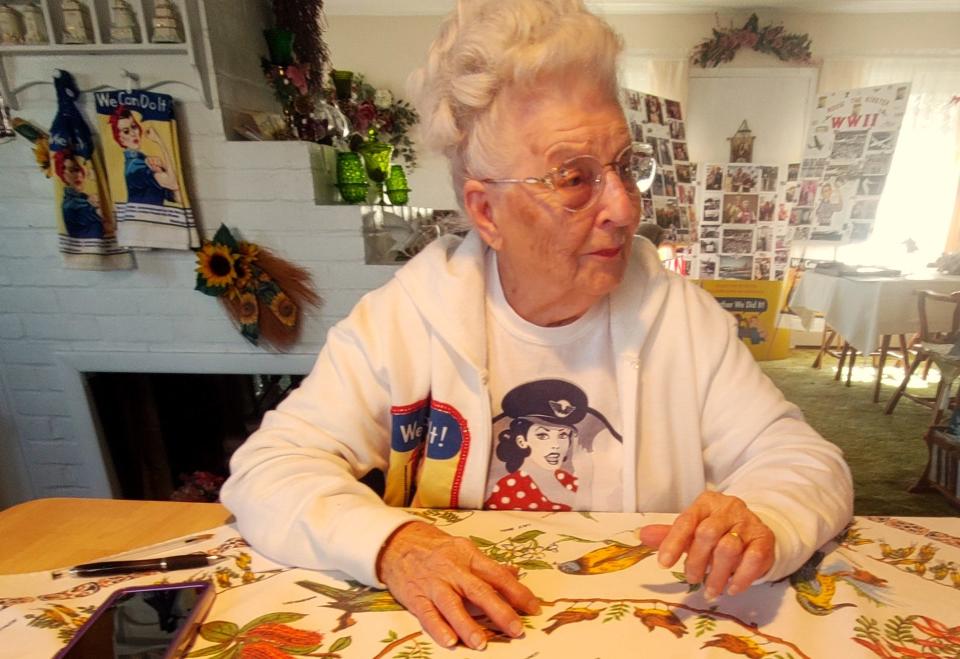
column 849, row 147
column 743, row 232
column 671, row 200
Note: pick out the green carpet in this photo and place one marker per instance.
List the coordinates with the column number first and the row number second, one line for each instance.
column 886, row 453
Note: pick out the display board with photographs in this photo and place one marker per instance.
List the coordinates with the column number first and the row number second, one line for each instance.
column 671, row 200
column 741, row 234
column 849, row 147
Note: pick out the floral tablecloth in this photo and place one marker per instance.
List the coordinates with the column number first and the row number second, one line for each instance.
column 886, row 587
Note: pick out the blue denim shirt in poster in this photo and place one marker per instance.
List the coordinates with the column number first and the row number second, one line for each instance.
column 80, row 217
column 142, row 186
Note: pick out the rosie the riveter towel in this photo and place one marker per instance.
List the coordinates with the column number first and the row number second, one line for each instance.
column 139, row 134
column 87, row 231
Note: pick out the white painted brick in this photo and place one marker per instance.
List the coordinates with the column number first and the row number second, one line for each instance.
column 57, row 475
column 26, row 352
column 5, row 271
column 27, row 299
column 268, row 156
column 64, row 491
column 178, row 303
column 10, row 326
column 99, row 301
column 50, row 272
column 61, row 327
column 144, row 328
column 115, row 347
column 53, row 452
column 61, row 427
column 34, row 428
column 24, row 244
column 33, row 378
column 39, row 403
column 205, row 330
column 16, row 183
column 29, row 213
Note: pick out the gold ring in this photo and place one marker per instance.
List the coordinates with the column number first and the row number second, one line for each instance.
column 735, row 535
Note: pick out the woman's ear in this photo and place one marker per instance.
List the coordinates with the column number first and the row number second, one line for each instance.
column 476, row 202
column 522, row 441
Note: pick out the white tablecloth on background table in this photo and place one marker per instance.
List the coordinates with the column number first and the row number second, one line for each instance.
column 862, row 309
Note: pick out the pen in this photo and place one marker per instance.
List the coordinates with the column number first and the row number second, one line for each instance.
column 160, row 564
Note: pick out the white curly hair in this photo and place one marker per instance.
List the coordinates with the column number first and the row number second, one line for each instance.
column 486, row 46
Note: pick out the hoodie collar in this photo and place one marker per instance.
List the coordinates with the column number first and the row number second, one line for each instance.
column 447, row 283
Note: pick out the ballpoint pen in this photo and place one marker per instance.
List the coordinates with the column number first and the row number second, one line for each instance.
column 159, row 564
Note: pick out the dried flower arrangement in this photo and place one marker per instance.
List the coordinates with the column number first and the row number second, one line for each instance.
column 770, row 39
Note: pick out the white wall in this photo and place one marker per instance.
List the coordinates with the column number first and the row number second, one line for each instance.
column 262, row 189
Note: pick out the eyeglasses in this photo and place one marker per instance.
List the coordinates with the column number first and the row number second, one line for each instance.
column 579, row 181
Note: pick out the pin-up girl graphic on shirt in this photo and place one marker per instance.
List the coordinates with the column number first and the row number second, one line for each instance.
column 537, row 445
column 150, row 179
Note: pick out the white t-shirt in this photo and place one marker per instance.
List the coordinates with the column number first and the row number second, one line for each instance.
column 556, row 417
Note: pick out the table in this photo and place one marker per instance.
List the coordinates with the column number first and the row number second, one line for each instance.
column 887, row 587
column 94, row 528
column 861, row 309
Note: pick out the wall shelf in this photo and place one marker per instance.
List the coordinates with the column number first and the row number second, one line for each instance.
column 192, row 48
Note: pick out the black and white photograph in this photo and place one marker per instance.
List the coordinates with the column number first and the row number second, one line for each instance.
column 708, row 267
column 735, row 267
column 864, row 209
column 848, row 145
column 737, row 241
column 870, row 186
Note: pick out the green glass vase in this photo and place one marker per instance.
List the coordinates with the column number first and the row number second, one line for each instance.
column 342, row 84
column 376, row 159
column 397, row 190
column 351, row 178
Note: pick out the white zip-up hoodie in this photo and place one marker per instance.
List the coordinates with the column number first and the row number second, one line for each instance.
column 400, row 386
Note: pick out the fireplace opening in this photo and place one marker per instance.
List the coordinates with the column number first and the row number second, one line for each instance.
column 171, row 435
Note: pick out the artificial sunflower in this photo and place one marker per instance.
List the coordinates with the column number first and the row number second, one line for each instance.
column 248, row 309
column 249, row 279
column 215, row 266
column 284, row 309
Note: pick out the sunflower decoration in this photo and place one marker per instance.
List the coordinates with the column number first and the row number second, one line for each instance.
column 262, row 293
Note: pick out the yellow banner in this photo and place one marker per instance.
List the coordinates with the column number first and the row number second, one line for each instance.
column 755, row 305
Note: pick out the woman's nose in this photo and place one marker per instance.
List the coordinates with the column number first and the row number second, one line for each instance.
column 620, row 206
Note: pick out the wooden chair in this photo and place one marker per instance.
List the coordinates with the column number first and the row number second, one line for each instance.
column 836, row 346
column 930, row 343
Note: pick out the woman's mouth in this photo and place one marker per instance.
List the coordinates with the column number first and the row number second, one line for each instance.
column 607, row 253
column 552, row 458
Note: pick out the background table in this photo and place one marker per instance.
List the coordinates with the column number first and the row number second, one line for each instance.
column 888, row 587
column 861, row 309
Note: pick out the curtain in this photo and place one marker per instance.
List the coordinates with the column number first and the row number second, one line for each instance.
column 920, row 196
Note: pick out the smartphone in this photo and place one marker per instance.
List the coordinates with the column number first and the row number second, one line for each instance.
column 143, row 622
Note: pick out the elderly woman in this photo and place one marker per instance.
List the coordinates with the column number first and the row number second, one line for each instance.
column 522, row 97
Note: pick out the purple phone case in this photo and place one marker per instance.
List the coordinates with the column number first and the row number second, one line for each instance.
column 181, row 642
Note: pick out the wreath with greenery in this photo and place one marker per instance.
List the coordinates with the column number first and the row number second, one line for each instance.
column 770, row 39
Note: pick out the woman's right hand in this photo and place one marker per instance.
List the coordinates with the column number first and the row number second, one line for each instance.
column 435, row 575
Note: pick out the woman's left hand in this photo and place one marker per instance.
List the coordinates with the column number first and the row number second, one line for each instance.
column 723, row 540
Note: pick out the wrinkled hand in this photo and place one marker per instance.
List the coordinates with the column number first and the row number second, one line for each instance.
column 435, row 575
column 723, row 541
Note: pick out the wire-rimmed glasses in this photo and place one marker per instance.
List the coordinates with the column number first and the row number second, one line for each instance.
column 578, row 182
